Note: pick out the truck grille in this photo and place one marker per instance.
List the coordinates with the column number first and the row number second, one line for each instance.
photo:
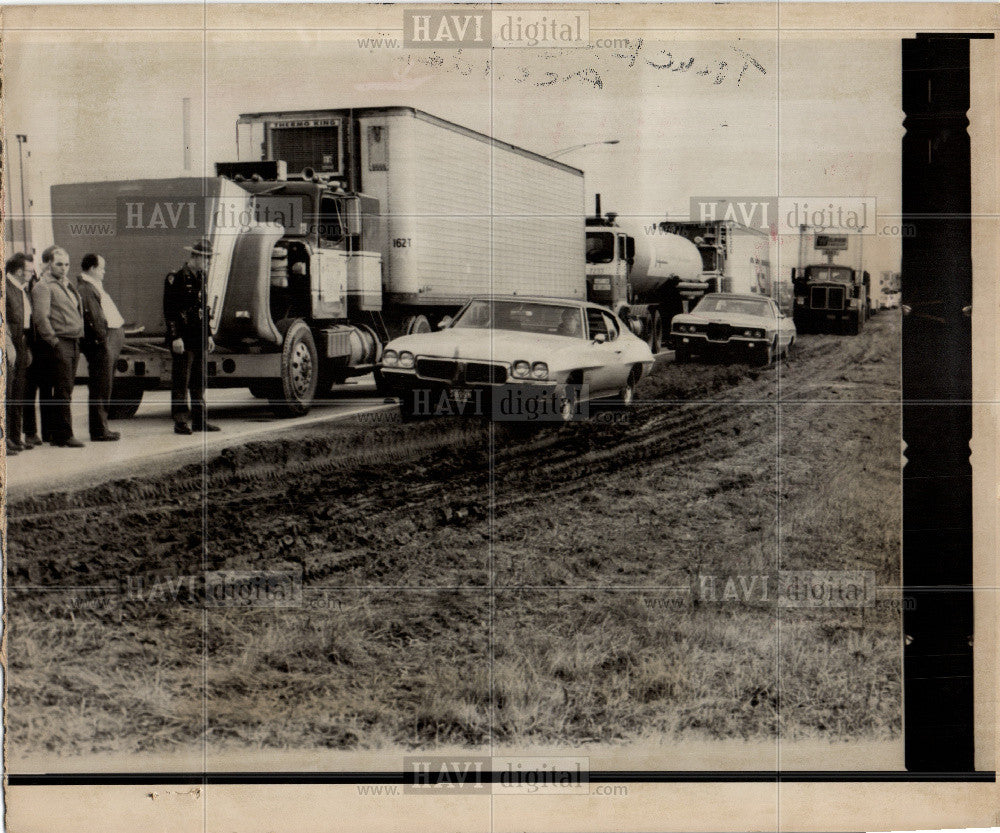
column 718, row 332
column 827, row 297
column 449, row 370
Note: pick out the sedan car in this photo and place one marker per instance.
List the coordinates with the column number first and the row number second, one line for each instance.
column 742, row 327
column 516, row 358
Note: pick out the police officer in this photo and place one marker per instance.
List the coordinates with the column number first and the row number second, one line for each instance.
column 186, row 314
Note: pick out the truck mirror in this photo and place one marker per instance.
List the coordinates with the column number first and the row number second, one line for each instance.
column 600, row 338
column 445, row 322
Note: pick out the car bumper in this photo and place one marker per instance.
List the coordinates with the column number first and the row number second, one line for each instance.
column 735, row 345
column 514, row 400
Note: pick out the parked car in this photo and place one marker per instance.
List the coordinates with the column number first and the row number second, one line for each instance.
column 741, row 327
column 515, row 357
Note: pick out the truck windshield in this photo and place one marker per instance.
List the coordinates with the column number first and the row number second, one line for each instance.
column 600, row 246
column 521, row 316
column 833, row 274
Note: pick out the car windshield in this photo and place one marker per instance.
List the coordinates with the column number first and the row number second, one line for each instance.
column 522, row 316
column 740, row 306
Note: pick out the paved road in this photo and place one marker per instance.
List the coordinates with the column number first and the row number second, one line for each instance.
column 148, row 438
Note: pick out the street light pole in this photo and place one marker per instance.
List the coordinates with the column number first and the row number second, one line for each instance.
column 562, row 151
column 21, row 141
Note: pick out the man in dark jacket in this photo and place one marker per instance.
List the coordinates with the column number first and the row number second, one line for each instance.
column 102, row 342
column 186, row 314
column 59, row 327
column 18, row 309
column 38, row 382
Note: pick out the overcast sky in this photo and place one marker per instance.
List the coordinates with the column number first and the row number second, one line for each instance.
column 824, row 118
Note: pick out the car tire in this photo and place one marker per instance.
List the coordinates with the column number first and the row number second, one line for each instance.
column 569, row 402
column 682, row 355
column 626, row 395
column 768, row 357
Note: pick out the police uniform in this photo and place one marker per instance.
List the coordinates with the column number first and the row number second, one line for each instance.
column 187, row 319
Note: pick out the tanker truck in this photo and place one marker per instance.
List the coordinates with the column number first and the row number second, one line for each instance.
column 334, row 232
column 646, row 278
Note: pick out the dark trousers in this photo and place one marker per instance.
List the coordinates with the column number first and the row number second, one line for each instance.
column 37, row 385
column 101, row 360
column 188, row 378
column 62, row 361
column 17, row 378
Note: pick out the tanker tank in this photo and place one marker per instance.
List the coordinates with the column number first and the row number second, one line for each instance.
column 662, row 261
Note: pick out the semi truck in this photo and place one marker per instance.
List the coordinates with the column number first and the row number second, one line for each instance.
column 830, row 295
column 735, row 258
column 646, row 275
column 334, row 231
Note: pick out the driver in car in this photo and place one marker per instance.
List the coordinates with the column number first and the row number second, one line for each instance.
column 570, row 323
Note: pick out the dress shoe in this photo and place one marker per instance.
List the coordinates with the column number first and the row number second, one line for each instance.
column 109, row 437
column 32, row 441
column 182, row 428
column 69, row 442
column 11, row 451
column 207, row 427
column 14, row 446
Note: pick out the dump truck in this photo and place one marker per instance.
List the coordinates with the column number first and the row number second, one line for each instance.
column 646, row 275
column 334, row 231
column 830, row 295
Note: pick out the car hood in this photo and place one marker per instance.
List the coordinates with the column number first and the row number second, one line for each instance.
column 487, row 345
column 734, row 319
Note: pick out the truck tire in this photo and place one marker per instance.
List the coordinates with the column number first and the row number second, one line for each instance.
column 854, row 324
column 655, row 333
column 261, row 390
column 126, row 397
column 299, row 369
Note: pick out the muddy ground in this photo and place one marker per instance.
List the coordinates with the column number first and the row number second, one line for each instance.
column 466, row 583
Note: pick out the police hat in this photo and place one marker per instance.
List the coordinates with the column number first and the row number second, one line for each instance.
column 203, row 247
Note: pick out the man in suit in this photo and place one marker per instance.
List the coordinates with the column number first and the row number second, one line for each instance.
column 186, row 314
column 18, row 310
column 102, row 342
column 59, row 328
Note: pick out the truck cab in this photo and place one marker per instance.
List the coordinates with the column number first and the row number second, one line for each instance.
column 610, row 255
column 829, row 294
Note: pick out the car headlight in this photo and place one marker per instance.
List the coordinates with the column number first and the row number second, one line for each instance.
column 540, row 370
column 748, row 333
column 520, row 370
column 758, row 334
column 390, row 358
column 406, row 359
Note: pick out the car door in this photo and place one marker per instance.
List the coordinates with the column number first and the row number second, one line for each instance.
column 604, row 376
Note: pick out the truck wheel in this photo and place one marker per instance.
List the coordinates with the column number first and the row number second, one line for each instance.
column 261, row 390
column 416, row 324
column 299, row 369
column 854, row 324
column 126, row 397
column 655, row 333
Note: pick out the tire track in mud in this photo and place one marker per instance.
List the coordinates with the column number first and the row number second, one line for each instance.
column 356, row 489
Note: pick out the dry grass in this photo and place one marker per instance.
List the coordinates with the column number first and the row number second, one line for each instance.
column 573, row 554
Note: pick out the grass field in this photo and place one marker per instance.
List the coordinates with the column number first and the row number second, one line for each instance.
column 463, row 584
